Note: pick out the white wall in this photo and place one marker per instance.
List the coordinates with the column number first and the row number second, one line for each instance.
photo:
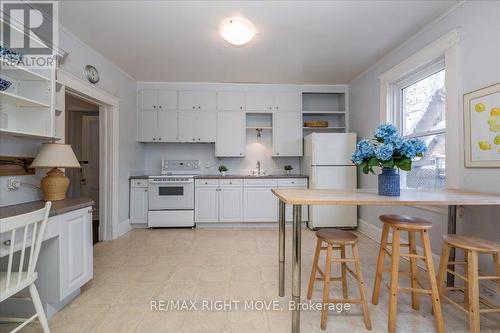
column 478, row 66
column 257, row 150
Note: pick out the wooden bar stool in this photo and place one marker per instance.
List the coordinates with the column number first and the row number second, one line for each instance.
column 472, row 247
column 338, row 240
column 413, row 226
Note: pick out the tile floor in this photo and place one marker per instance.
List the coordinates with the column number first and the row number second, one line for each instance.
column 222, row 264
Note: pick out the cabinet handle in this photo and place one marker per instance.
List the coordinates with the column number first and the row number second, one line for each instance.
column 277, row 153
column 160, row 106
column 199, row 139
column 145, row 190
column 206, row 183
column 241, row 108
column 194, row 107
column 270, row 108
column 293, row 182
column 7, row 242
column 154, row 106
column 230, row 183
column 159, row 139
column 199, row 107
column 194, row 139
column 277, row 108
column 154, row 139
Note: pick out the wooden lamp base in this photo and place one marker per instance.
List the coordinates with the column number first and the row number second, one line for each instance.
column 54, row 185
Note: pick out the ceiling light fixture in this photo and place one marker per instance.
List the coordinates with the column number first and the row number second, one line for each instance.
column 237, row 31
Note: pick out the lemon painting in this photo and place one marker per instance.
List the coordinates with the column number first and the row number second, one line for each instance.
column 484, row 118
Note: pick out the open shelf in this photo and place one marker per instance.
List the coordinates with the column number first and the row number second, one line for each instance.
column 21, row 73
column 21, row 101
column 322, row 112
column 323, row 102
column 27, row 134
column 323, row 128
column 259, row 127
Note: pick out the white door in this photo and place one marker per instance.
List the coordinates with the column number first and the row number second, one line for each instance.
column 230, row 100
column 89, row 182
column 333, row 148
column 206, row 204
column 206, row 123
column 231, row 134
column 188, row 126
column 336, row 177
column 260, row 204
column 148, row 99
column 75, row 251
column 288, row 101
column 167, row 126
column 207, row 100
column 167, row 100
column 148, row 124
column 287, row 134
column 139, row 205
column 231, row 204
column 188, row 100
column 259, row 101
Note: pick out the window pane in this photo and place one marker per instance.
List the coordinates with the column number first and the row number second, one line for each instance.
column 423, row 105
column 430, row 170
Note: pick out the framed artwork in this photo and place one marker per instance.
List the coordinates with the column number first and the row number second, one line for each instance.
column 482, row 127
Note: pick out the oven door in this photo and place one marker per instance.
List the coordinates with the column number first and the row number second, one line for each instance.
column 169, row 195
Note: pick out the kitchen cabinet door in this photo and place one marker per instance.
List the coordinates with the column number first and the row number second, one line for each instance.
column 206, row 205
column 75, row 251
column 288, row 101
column 230, row 100
column 287, row 134
column 231, row 134
column 167, row 126
column 207, row 100
column 260, row 205
column 148, row 126
column 148, row 99
column 139, row 205
column 188, row 129
column 167, row 100
column 259, row 101
column 188, row 100
column 206, row 124
column 231, row 204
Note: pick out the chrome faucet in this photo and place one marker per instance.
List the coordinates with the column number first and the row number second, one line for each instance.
column 258, row 168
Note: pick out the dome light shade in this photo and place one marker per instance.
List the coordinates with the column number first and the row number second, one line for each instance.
column 237, row 31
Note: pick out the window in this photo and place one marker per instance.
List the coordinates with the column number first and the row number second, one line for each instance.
column 419, row 112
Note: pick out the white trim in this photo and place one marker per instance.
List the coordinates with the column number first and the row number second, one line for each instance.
column 123, row 228
column 109, row 134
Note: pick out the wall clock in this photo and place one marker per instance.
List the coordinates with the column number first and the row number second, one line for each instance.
column 91, row 74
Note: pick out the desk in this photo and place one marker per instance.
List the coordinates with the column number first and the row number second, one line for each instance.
column 298, row 197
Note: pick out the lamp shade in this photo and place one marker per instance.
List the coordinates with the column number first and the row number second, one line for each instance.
column 55, row 155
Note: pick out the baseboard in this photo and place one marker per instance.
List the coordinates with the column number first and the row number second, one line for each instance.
column 122, row 228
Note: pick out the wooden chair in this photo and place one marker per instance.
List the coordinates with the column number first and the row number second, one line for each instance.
column 413, row 226
column 472, row 247
column 338, row 240
column 14, row 280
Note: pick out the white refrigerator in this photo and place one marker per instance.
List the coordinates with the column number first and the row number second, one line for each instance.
column 327, row 162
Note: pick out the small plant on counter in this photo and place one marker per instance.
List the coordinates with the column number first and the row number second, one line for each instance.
column 288, row 168
column 223, row 169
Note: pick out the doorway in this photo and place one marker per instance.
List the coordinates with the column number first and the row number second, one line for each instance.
column 82, row 132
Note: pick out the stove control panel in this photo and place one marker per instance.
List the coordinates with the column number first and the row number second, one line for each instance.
column 180, row 167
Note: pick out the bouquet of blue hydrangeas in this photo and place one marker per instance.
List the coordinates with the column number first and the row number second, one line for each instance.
column 387, row 150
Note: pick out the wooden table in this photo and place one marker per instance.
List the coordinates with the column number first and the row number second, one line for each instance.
column 298, row 197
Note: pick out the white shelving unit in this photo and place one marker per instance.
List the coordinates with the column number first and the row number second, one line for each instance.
column 325, row 106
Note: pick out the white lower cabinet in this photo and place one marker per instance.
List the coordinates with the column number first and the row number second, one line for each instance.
column 261, row 205
column 75, row 250
column 138, row 201
column 231, row 204
column 206, row 205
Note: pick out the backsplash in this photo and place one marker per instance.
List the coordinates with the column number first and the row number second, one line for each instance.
column 258, row 149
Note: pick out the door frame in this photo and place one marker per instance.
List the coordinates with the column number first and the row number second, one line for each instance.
column 108, row 154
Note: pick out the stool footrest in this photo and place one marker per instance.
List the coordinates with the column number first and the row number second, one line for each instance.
column 452, row 302
column 411, row 255
column 457, row 263
column 343, row 260
column 457, row 274
column 416, row 290
column 343, row 300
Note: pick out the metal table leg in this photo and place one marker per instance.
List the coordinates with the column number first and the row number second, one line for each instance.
column 297, row 228
column 281, row 222
column 452, row 229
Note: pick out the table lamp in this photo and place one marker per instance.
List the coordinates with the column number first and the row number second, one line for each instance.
column 54, row 156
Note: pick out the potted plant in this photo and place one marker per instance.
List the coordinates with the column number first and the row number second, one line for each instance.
column 389, row 151
column 223, row 169
column 288, row 169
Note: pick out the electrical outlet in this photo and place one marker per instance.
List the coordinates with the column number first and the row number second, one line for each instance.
column 13, row 184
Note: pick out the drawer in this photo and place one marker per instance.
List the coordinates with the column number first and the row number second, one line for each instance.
column 231, row 182
column 207, row 182
column 292, row 182
column 138, row 183
column 261, row 182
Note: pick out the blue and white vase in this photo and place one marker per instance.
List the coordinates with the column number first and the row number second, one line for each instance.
column 388, row 183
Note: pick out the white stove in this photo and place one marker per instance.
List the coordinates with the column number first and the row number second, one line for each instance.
column 171, row 194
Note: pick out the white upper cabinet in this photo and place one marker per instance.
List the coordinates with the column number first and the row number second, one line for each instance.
column 197, row 100
column 287, row 134
column 287, row 101
column 230, row 100
column 259, row 101
column 231, row 134
column 206, row 124
column 267, row 101
column 148, row 122
column 167, row 127
column 155, row 126
column 197, row 126
column 187, row 126
column 157, row 100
